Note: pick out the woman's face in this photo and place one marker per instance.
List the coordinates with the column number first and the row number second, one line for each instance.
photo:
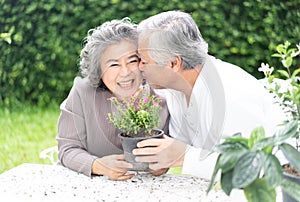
column 119, row 65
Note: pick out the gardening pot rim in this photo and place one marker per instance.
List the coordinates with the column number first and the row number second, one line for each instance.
column 145, row 137
column 290, row 175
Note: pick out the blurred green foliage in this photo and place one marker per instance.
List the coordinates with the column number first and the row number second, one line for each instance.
column 24, row 133
column 39, row 64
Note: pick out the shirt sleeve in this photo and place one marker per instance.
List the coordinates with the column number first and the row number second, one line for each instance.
column 194, row 165
column 72, row 135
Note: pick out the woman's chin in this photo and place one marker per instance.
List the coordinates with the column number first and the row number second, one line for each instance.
column 126, row 93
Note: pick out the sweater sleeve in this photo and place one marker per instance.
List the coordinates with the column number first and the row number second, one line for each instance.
column 72, row 134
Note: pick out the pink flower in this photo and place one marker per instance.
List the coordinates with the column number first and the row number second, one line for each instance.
column 155, row 103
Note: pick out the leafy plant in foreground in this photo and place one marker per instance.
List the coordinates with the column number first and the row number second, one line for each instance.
column 250, row 164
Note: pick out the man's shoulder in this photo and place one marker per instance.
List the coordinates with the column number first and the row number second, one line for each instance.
column 233, row 74
column 222, row 65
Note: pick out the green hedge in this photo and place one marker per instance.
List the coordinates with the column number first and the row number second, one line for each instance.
column 39, row 64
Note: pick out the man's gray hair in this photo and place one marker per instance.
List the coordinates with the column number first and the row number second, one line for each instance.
column 97, row 40
column 171, row 34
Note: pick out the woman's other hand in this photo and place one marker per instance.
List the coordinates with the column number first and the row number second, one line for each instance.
column 159, row 172
column 113, row 166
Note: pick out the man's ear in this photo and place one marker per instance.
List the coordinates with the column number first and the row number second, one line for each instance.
column 176, row 63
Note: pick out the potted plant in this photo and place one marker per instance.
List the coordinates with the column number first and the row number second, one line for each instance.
column 287, row 92
column 251, row 163
column 137, row 117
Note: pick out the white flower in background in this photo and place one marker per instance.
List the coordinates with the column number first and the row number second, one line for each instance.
column 266, row 69
column 294, row 54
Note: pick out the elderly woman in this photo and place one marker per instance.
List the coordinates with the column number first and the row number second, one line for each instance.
column 87, row 142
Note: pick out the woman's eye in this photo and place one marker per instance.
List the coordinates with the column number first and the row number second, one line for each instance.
column 134, row 61
column 113, row 65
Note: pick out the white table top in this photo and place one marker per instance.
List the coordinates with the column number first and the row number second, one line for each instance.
column 37, row 182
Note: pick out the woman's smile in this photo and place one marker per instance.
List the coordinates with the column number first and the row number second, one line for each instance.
column 126, row 84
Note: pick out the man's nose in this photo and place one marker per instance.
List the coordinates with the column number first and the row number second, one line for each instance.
column 141, row 66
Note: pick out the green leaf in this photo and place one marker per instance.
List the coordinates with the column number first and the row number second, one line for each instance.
column 270, row 79
column 280, row 48
column 256, row 135
column 226, row 182
column 235, row 135
column 6, row 37
column 289, row 61
column 265, row 143
column 236, row 139
column 290, row 130
column 287, row 44
column 292, row 155
column 229, row 158
column 213, row 177
column 259, row 191
column 272, row 169
column 291, row 188
column 283, row 73
column 277, row 55
column 291, row 50
column 247, row 169
column 296, row 72
column 268, row 149
column 283, row 62
column 225, row 146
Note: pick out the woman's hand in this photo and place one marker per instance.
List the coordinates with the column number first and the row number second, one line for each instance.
column 159, row 172
column 113, row 166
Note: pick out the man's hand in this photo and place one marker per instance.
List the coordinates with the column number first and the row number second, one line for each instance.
column 113, row 166
column 161, row 153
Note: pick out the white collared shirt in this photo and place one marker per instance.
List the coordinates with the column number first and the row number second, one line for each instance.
column 225, row 100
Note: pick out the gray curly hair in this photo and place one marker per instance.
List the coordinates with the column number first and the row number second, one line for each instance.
column 171, row 34
column 97, row 40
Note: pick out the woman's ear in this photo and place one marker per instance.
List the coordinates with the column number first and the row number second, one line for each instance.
column 176, row 64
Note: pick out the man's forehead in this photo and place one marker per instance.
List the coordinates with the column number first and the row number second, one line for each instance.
column 143, row 41
column 142, row 47
column 142, row 54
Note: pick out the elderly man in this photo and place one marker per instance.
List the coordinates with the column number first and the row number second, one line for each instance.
column 207, row 98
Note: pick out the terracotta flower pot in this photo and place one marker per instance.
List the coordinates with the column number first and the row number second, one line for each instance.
column 130, row 143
